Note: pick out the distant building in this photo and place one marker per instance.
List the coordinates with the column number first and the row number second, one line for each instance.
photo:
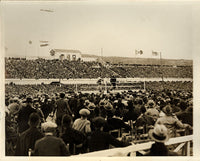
column 88, row 59
column 71, row 55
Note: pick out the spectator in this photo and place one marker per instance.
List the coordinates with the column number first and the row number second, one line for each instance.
column 71, row 136
column 62, row 107
column 170, row 121
column 160, row 135
column 100, row 140
column 23, row 115
column 50, row 145
column 82, row 124
column 28, row 138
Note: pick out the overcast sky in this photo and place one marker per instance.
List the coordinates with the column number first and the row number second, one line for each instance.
column 119, row 28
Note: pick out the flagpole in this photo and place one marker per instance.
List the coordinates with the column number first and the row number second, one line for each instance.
column 161, row 65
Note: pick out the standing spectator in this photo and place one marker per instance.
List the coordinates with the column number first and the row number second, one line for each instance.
column 62, row 107
column 23, row 115
column 50, row 145
column 28, row 138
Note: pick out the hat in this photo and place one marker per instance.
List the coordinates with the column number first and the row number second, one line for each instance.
column 29, row 100
column 48, row 126
column 91, row 106
column 150, row 103
column 167, row 110
column 99, row 121
column 108, row 106
column 84, row 112
column 86, row 103
column 159, row 133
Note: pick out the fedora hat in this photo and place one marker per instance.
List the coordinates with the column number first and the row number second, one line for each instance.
column 159, row 133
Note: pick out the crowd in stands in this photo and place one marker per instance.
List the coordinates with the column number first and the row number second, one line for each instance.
column 13, row 89
column 68, row 123
column 46, row 69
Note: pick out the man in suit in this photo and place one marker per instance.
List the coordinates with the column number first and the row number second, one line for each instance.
column 50, row 145
column 28, row 138
column 100, row 140
column 62, row 107
column 23, row 115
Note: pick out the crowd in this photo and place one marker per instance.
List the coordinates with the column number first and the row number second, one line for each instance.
column 68, row 123
column 13, row 89
column 43, row 68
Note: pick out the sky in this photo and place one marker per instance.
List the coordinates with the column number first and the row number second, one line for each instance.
column 118, row 28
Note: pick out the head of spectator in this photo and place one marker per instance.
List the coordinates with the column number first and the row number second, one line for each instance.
column 108, row 106
column 49, row 128
column 167, row 110
column 183, row 105
column 29, row 100
column 99, row 123
column 84, row 113
column 67, row 121
column 143, row 109
column 150, row 104
column 62, row 95
column 34, row 120
column 91, row 106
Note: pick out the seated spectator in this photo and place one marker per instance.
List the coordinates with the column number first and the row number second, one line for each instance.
column 50, row 145
column 131, row 114
column 71, row 136
column 185, row 115
column 170, row 121
column 82, row 124
column 144, row 120
column 115, row 122
column 151, row 110
column 28, row 138
column 160, row 135
column 100, row 140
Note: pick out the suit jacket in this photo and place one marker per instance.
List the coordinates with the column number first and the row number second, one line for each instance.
column 101, row 140
column 50, row 146
column 71, row 137
column 62, row 108
column 27, row 140
column 23, row 117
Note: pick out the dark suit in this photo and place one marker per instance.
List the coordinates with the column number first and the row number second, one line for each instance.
column 101, row 140
column 62, row 107
column 27, row 140
column 23, row 117
column 50, row 146
column 71, row 137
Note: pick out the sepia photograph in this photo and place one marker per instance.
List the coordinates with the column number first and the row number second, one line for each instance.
column 98, row 78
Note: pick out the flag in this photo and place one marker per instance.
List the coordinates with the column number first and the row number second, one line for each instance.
column 138, row 52
column 155, row 53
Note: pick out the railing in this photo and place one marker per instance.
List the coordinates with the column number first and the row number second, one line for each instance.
column 184, row 144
